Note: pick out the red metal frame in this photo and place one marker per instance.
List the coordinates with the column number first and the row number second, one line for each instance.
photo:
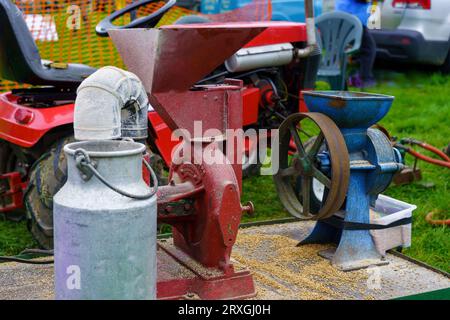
column 302, row 107
column 203, row 239
column 13, row 196
column 162, row 134
column 280, row 32
column 191, row 280
column 275, row 31
column 425, row 4
column 43, row 120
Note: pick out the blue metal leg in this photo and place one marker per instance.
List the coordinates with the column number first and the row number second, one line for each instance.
column 322, row 233
column 356, row 248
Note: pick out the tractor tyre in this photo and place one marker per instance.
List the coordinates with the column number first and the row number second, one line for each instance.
column 47, row 176
column 251, row 164
column 251, row 170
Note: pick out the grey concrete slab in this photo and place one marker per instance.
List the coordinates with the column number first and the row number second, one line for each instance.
column 281, row 271
column 285, row 271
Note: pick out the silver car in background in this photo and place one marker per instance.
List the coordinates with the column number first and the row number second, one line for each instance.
column 415, row 31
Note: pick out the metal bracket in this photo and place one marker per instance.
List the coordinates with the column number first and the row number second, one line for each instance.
column 82, row 159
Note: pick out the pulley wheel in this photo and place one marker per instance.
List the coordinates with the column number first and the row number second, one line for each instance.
column 297, row 161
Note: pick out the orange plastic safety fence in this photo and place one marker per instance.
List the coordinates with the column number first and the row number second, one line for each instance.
column 64, row 31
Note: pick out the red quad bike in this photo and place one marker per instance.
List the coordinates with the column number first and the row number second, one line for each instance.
column 35, row 123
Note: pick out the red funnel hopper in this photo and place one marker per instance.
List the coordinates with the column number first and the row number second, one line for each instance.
column 170, row 60
column 174, row 58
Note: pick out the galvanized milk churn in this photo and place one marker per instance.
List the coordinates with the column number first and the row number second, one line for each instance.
column 105, row 224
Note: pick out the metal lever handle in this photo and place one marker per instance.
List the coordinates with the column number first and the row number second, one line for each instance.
column 87, row 167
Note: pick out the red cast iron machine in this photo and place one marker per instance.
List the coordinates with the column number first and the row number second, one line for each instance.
column 202, row 201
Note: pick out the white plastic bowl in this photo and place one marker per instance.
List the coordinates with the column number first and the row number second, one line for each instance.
column 388, row 210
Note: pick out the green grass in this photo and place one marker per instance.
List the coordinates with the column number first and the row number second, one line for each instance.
column 421, row 110
column 14, row 237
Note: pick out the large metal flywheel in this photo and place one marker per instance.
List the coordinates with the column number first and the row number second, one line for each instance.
column 325, row 162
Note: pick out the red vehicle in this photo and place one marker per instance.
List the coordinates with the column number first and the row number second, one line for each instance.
column 36, row 122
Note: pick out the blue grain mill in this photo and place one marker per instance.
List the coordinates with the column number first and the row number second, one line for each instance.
column 352, row 162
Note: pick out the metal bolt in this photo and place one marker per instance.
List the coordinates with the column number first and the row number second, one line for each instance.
column 248, row 208
column 191, row 296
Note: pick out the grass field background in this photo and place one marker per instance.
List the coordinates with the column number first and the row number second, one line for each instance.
column 421, row 110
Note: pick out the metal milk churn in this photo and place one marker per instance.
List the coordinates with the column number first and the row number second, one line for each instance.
column 105, row 224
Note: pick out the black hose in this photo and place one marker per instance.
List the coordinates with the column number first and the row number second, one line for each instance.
column 29, row 251
column 37, row 251
column 215, row 76
column 237, row 75
column 20, row 260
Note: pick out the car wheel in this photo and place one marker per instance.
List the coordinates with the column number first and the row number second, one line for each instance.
column 445, row 68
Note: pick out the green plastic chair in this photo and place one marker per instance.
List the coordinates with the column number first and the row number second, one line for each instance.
column 339, row 34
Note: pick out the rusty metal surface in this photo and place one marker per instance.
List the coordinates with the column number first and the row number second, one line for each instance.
column 407, row 175
column 170, row 60
column 340, row 167
column 213, row 107
column 176, row 57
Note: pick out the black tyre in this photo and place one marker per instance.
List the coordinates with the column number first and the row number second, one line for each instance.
column 250, row 169
column 251, row 163
column 47, row 176
column 445, row 68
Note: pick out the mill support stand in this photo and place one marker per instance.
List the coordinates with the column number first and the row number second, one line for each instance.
column 351, row 161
